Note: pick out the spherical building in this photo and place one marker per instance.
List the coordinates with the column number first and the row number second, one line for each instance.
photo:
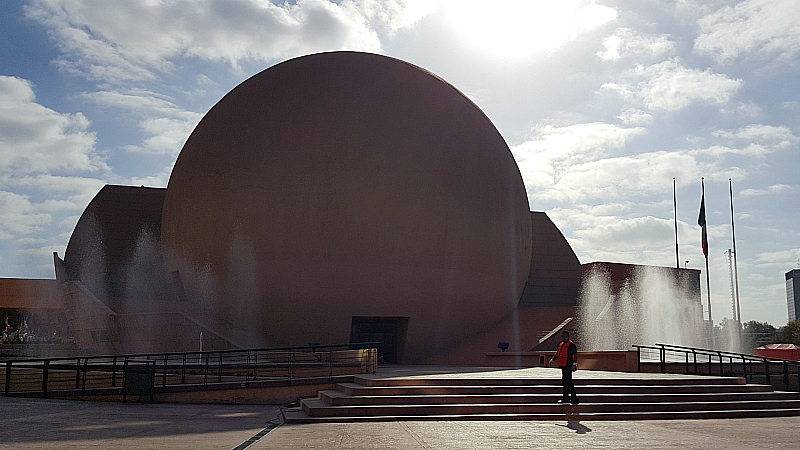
column 343, row 196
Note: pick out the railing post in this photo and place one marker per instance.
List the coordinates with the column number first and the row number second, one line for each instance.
column 786, row 374
column 85, row 369
column 639, row 359
column 124, row 379
column 687, row 362
column 164, row 377
column 219, row 369
column 78, row 373
column 798, row 378
column 694, row 354
column 114, row 372
column 766, row 370
column 183, row 370
column 721, row 365
column 205, row 372
column 744, row 369
column 663, row 357
column 45, row 372
column 8, row 377
column 247, row 368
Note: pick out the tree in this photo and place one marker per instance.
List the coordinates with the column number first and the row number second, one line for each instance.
column 791, row 332
column 757, row 334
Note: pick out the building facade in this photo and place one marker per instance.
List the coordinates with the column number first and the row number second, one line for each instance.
column 793, row 293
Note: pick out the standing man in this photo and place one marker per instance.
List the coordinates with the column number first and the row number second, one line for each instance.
column 568, row 362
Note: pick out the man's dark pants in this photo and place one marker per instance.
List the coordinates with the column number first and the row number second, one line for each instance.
column 566, row 382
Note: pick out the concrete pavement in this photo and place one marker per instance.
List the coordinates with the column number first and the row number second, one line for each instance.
column 56, row 424
column 59, row 424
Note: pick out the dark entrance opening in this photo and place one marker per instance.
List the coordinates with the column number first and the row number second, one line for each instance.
column 389, row 330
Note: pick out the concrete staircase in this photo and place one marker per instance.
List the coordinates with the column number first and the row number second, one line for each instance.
column 629, row 398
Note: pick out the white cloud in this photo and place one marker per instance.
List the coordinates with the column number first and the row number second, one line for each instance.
column 631, row 176
column 753, row 27
column 165, row 124
column 393, row 15
column 165, row 136
column 140, row 101
column 773, row 136
column 774, row 189
column 127, row 41
column 634, row 117
column 36, row 139
column 18, row 216
column 548, row 159
column 629, row 44
column 778, row 259
column 571, row 164
column 671, row 86
column 575, row 141
column 743, row 110
column 157, row 180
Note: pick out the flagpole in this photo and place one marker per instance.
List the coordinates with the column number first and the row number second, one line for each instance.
column 702, row 222
column 735, row 266
column 675, row 209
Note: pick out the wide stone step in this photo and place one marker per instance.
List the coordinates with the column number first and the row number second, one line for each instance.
column 611, row 397
column 337, row 398
column 298, row 416
column 450, row 381
column 318, row 408
column 582, row 389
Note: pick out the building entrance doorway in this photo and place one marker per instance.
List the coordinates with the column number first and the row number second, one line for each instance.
column 389, row 330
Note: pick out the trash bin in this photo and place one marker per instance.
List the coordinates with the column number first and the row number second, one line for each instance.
column 139, row 381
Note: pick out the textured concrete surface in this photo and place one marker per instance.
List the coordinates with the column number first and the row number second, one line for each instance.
column 706, row 434
column 61, row 424
column 36, row 424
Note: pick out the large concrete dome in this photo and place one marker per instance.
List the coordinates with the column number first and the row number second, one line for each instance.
column 341, row 186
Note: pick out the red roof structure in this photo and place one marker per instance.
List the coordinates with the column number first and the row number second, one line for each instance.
column 779, row 351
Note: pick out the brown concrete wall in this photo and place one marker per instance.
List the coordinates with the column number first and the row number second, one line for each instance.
column 610, row 360
column 347, row 184
column 522, row 329
column 251, row 396
column 91, row 324
column 555, row 272
column 22, row 293
column 114, row 250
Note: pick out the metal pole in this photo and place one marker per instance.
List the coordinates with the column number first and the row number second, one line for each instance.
column 735, row 266
column 708, row 280
column 733, row 290
column 675, row 210
column 711, row 322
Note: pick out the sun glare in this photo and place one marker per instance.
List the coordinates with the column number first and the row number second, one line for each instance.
column 519, row 28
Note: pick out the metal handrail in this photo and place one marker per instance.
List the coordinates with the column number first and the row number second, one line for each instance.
column 733, row 359
column 99, row 374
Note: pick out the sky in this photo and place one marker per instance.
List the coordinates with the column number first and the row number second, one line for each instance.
column 602, row 103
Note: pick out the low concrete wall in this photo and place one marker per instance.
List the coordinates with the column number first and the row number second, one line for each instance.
column 611, row 360
column 244, row 396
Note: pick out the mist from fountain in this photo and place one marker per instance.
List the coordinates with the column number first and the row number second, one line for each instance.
column 647, row 308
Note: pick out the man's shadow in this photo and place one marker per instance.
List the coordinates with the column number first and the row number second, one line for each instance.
column 577, row 426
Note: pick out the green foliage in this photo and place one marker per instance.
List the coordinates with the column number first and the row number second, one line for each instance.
column 791, row 333
column 755, row 334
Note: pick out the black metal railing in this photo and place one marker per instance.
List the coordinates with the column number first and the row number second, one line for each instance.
column 780, row 373
column 144, row 374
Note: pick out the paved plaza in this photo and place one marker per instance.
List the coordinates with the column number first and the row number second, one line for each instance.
column 61, row 424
